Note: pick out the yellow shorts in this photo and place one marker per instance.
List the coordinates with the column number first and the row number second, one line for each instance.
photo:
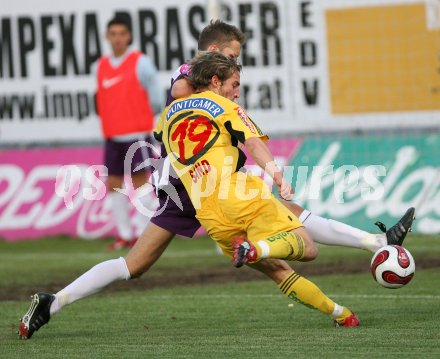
column 248, row 210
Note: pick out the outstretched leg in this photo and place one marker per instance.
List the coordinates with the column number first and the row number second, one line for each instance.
column 304, row 291
column 331, row 232
column 147, row 250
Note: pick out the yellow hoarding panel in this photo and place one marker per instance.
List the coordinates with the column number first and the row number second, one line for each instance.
column 382, row 59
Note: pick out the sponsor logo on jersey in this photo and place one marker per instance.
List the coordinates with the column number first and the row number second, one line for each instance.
column 185, row 69
column 246, row 120
column 107, row 83
column 213, row 108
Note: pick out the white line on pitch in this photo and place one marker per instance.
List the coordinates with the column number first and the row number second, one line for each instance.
column 373, row 296
column 388, row 296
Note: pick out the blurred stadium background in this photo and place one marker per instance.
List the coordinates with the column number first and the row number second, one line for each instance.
column 335, row 84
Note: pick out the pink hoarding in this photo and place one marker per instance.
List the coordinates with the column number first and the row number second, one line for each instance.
column 31, row 206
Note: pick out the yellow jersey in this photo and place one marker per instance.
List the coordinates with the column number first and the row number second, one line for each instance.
column 201, row 134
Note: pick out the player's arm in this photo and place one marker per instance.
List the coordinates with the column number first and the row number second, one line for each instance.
column 180, row 85
column 245, row 131
column 181, row 88
column 94, row 72
column 149, row 78
column 262, row 155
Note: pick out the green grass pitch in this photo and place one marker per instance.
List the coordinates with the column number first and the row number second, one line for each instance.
column 193, row 304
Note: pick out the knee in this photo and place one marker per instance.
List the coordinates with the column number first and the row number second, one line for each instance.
column 311, row 252
column 113, row 182
column 310, row 248
column 139, row 180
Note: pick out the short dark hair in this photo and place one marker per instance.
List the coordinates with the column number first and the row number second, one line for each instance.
column 207, row 64
column 119, row 20
column 220, row 33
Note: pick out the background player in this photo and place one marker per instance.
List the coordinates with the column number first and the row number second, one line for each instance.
column 128, row 95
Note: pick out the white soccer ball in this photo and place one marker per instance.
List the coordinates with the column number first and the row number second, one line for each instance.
column 393, row 266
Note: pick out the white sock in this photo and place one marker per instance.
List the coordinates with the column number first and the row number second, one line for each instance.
column 91, row 282
column 147, row 207
column 121, row 214
column 330, row 232
column 337, row 311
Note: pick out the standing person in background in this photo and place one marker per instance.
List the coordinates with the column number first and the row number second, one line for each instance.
column 128, row 96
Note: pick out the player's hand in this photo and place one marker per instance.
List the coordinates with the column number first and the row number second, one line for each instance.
column 285, row 190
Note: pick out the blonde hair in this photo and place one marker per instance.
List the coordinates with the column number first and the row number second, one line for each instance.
column 207, row 64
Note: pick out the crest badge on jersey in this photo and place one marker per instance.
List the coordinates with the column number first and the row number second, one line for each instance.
column 245, row 119
column 185, row 69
